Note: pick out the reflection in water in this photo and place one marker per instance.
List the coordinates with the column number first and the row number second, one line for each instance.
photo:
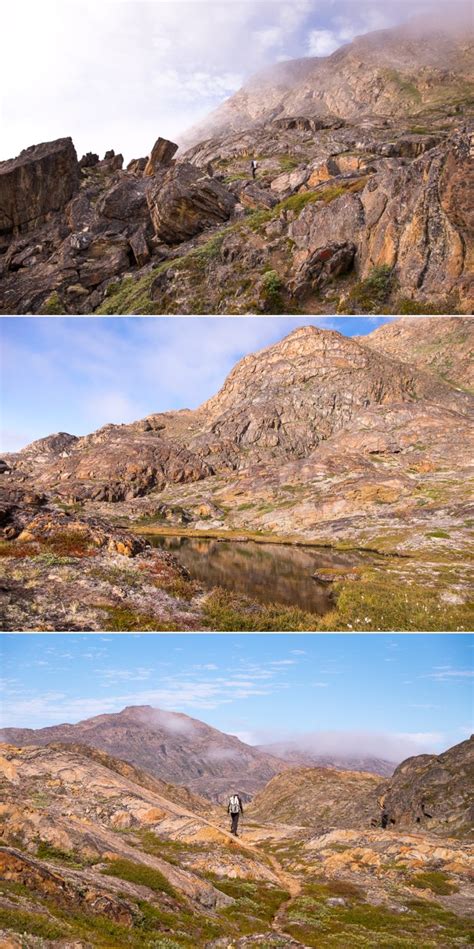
column 268, row 573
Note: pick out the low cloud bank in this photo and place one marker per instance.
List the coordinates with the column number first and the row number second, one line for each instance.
column 358, row 744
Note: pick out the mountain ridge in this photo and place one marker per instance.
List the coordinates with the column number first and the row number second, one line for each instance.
column 171, row 746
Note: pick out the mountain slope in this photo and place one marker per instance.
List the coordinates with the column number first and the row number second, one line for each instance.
column 443, row 346
column 168, row 745
column 394, row 72
column 305, row 754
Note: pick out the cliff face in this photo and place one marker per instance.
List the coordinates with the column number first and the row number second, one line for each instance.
column 362, row 199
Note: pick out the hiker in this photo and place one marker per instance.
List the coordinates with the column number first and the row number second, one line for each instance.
column 235, row 809
column 254, row 166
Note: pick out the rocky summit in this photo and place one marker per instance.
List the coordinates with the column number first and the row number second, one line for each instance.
column 353, row 455
column 96, row 852
column 361, row 200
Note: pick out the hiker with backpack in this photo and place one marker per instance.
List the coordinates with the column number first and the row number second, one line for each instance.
column 235, row 809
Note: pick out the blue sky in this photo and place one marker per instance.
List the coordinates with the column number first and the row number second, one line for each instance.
column 74, row 375
column 389, row 695
column 118, row 73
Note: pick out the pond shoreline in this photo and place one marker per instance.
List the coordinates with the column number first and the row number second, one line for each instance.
column 243, row 537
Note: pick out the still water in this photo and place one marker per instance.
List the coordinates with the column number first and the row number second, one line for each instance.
column 269, row 573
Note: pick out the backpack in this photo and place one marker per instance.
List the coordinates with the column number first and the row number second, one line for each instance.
column 234, row 804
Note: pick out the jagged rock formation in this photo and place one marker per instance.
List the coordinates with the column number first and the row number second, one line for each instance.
column 91, row 848
column 364, row 173
column 434, row 792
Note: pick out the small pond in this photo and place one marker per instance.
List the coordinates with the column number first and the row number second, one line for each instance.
column 268, row 573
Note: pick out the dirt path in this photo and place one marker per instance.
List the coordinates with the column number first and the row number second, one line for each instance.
column 288, row 882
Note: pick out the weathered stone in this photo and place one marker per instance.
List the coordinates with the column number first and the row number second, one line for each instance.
column 162, row 154
column 140, row 248
column 137, row 166
column 322, row 266
column 36, row 184
column 186, row 201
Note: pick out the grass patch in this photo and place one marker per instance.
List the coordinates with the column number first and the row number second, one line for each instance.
column 225, row 611
column 34, row 924
column 434, row 880
column 142, row 875
column 438, row 533
column 370, row 294
column 45, row 851
column 315, row 923
column 119, row 619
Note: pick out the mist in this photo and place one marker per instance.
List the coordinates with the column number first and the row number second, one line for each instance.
column 118, row 73
column 354, row 744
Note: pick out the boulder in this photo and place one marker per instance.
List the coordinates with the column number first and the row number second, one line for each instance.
column 322, row 266
column 36, row 184
column 137, row 166
column 186, row 201
column 126, row 201
column 139, row 246
column 162, row 154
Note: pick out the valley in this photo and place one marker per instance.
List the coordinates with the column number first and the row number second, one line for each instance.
column 97, row 852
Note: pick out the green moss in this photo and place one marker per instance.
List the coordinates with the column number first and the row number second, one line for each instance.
column 142, row 875
column 45, row 851
column 438, row 533
column 404, row 306
column 53, row 306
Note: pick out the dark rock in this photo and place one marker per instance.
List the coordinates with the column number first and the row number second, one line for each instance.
column 322, row 266
column 126, row 201
column 36, row 184
column 89, row 160
column 140, row 248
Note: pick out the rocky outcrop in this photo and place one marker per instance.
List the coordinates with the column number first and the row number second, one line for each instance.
column 365, row 149
column 162, row 153
column 434, row 792
column 35, row 185
column 186, row 202
column 319, row 798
